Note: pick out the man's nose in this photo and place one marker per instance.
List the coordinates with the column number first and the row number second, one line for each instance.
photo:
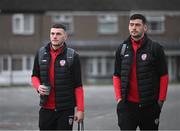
column 54, row 36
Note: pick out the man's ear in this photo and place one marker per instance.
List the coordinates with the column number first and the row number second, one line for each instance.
column 145, row 28
column 65, row 36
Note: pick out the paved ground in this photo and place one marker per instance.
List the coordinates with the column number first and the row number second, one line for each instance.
column 19, row 109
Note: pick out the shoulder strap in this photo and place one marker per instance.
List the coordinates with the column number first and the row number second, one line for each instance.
column 153, row 49
column 70, row 56
column 41, row 53
column 123, row 49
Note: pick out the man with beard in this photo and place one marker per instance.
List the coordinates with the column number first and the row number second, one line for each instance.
column 140, row 78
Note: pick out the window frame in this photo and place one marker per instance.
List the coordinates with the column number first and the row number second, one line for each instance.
column 64, row 18
column 21, row 30
column 159, row 20
column 108, row 19
column 24, row 62
column 98, row 66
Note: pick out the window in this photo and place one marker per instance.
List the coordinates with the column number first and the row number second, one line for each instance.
column 17, row 64
column 92, row 66
column 107, row 24
column 28, row 63
column 4, row 63
column 110, row 66
column 100, row 66
column 23, row 24
column 67, row 20
column 156, row 25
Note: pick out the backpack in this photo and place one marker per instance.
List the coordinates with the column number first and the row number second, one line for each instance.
column 70, row 55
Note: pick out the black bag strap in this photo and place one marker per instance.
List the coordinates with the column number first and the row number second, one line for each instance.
column 81, row 126
column 70, row 55
column 123, row 49
column 41, row 52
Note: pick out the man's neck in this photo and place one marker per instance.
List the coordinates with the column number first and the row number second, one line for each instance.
column 56, row 47
column 137, row 38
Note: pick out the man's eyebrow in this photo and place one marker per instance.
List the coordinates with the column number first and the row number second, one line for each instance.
column 56, row 33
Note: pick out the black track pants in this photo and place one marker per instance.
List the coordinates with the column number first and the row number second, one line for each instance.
column 132, row 115
column 56, row 120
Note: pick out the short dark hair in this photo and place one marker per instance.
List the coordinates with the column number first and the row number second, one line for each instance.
column 139, row 16
column 62, row 26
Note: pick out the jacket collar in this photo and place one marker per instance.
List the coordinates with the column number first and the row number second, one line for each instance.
column 128, row 40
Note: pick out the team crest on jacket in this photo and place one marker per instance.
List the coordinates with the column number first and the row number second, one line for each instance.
column 62, row 62
column 71, row 118
column 144, row 57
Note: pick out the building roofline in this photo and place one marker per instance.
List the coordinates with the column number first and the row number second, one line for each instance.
column 8, row 6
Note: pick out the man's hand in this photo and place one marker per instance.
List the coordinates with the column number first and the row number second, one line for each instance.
column 119, row 100
column 79, row 116
column 43, row 90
